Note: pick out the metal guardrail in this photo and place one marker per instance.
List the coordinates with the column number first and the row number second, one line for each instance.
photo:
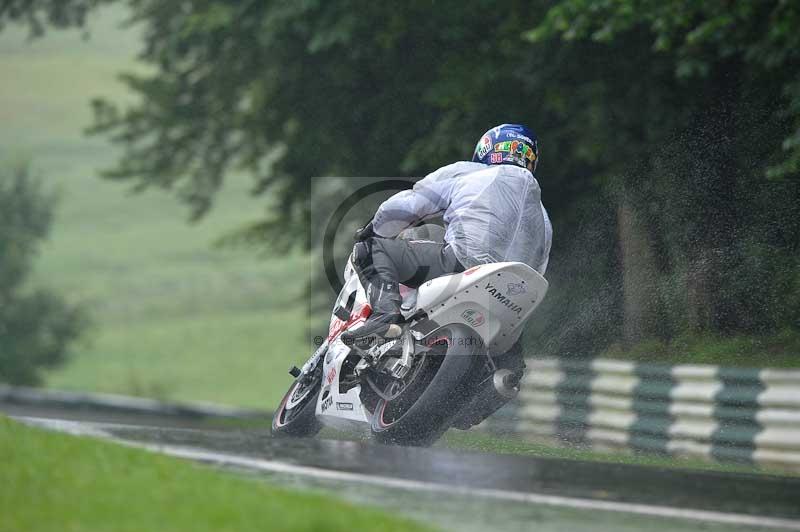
column 720, row 413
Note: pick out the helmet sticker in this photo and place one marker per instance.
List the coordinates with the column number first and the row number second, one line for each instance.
column 508, row 144
column 484, row 146
column 515, row 147
column 515, row 135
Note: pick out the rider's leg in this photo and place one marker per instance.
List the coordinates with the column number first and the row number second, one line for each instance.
column 412, row 262
column 383, row 263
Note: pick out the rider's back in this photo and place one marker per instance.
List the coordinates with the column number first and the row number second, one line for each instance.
column 494, row 214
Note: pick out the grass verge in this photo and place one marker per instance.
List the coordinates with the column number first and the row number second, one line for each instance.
column 59, row 482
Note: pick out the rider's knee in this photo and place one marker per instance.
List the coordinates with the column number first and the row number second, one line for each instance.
column 362, row 254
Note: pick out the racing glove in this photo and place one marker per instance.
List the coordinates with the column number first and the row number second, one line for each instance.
column 364, row 233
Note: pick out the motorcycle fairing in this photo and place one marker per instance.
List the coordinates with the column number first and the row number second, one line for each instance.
column 343, row 411
column 494, row 300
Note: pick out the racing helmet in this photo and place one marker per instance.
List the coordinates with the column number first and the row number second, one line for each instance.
column 508, row 144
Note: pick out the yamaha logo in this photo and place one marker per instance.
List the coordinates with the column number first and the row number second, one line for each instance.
column 495, row 293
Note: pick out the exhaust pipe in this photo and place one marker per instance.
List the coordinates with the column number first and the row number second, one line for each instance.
column 490, row 396
column 506, row 383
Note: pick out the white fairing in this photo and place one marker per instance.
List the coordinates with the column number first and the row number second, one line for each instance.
column 340, row 410
column 494, row 300
column 343, row 411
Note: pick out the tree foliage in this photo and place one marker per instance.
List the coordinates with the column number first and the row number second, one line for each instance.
column 38, row 14
column 724, row 238
column 36, row 326
column 698, row 36
column 669, row 133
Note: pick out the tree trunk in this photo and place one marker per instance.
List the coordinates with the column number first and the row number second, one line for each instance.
column 698, row 297
column 639, row 276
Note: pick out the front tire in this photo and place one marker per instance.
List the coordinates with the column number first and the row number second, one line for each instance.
column 423, row 411
column 296, row 415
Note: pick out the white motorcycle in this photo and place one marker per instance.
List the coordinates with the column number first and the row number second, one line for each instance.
column 443, row 369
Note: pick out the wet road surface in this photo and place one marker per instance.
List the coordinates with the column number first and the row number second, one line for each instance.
column 461, row 490
column 756, row 494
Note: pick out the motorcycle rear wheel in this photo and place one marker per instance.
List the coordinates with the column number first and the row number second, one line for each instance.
column 423, row 411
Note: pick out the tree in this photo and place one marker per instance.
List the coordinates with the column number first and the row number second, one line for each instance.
column 36, row 326
column 669, row 133
column 697, row 36
column 37, row 14
column 734, row 68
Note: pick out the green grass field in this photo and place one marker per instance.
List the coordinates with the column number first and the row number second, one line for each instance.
column 59, row 482
column 174, row 317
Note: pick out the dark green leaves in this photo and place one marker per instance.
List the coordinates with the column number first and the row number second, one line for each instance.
column 35, row 325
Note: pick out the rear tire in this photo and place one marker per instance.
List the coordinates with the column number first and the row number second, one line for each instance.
column 296, row 415
column 424, row 411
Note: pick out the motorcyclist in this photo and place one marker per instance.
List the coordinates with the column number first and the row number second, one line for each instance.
column 492, row 210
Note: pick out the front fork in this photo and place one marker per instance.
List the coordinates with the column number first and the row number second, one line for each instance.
column 312, row 363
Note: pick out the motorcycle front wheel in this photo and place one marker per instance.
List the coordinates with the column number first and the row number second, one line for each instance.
column 296, row 414
column 419, row 410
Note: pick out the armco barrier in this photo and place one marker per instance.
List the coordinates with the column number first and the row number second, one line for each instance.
column 726, row 414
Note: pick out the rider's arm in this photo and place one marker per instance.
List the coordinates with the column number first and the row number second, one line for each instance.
column 548, row 241
column 429, row 197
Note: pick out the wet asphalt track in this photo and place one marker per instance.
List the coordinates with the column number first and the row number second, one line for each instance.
column 473, row 491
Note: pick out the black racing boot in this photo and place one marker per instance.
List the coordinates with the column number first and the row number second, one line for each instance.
column 384, row 297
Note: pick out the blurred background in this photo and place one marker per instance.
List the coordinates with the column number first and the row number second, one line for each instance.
column 139, row 301
column 157, row 191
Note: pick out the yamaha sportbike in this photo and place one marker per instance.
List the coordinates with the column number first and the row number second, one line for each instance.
column 443, row 368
